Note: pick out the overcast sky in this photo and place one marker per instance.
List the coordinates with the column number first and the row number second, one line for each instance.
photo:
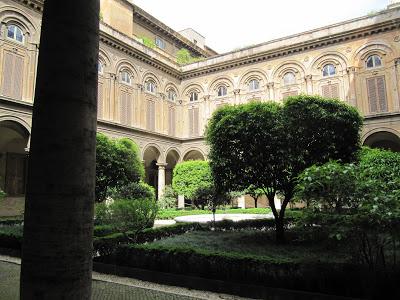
column 232, row 24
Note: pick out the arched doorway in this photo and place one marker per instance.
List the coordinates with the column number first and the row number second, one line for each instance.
column 172, row 160
column 193, row 155
column 151, row 156
column 383, row 140
column 13, row 157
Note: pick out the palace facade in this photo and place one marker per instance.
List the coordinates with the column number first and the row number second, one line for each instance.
column 145, row 95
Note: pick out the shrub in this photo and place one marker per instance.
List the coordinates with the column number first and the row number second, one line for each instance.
column 189, row 176
column 132, row 191
column 169, row 198
column 117, row 164
column 184, row 57
column 2, row 194
column 11, row 237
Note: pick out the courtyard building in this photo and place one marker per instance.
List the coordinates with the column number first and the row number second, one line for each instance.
column 146, row 96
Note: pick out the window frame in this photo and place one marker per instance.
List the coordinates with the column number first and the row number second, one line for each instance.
column 252, row 86
column 14, row 37
column 291, row 82
column 172, row 91
column 153, row 86
column 129, row 77
column 160, row 43
column 222, row 88
column 374, row 66
column 329, row 74
column 192, row 98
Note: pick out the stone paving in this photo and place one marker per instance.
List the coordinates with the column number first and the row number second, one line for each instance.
column 109, row 287
column 219, row 217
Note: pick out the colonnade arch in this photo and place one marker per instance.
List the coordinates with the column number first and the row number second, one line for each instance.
column 14, row 143
column 383, row 140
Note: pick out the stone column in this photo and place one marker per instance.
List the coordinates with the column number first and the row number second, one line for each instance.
column 237, row 96
column 352, row 96
column 396, row 81
column 271, row 91
column 58, row 228
column 161, row 179
column 242, row 202
column 111, row 101
column 309, row 85
column 181, row 201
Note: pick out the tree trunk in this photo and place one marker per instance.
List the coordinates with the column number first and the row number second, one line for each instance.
column 279, row 231
column 255, row 202
column 57, row 245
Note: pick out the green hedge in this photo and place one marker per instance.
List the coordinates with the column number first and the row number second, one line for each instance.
column 340, row 279
column 11, row 237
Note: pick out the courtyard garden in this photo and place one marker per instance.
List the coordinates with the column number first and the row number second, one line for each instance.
column 344, row 241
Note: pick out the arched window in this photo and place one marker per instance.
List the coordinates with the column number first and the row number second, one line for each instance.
column 15, row 33
column 171, row 94
column 328, row 70
column 222, row 91
column 374, row 61
column 100, row 67
column 150, row 86
column 254, row 84
column 193, row 96
column 126, row 77
column 289, row 78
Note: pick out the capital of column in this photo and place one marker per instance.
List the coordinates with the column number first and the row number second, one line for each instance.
column 140, row 87
column 351, row 70
column 397, row 62
column 308, row 77
column 236, row 91
column 161, row 166
column 207, row 97
column 162, row 95
column 270, row 85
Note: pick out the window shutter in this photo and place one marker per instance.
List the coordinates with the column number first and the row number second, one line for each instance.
column 195, row 122
column 7, row 74
column 171, row 129
column 100, row 101
column 18, row 76
column 13, row 70
column 376, row 88
column 150, row 115
column 330, row 91
column 191, row 133
column 123, row 107
column 288, row 94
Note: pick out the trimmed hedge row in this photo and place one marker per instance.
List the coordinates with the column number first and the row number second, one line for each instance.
column 106, row 245
column 336, row 279
column 11, row 237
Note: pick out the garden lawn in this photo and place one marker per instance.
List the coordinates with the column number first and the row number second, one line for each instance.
column 253, row 243
column 169, row 214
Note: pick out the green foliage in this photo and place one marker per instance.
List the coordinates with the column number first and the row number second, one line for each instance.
column 132, row 191
column 169, row 214
column 2, row 194
column 330, row 186
column 368, row 196
column 117, row 164
column 268, row 145
column 133, row 215
column 189, row 176
column 255, row 193
column 148, row 42
column 184, row 57
column 169, row 198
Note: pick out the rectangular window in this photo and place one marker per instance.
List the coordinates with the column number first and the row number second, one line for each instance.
column 126, row 108
column 100, row 103
column 171, row 127
column 13, row 70
column 330, row 91
column 160, row 43
column 194, row 122
column 151, row 110
column 377, row 100
column 288, row 94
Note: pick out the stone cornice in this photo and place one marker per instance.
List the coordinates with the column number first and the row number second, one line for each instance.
column 296, row 44
column 117, row 40
column 36, row 5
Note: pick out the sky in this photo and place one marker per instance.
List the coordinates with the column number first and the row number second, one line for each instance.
column 233, row 24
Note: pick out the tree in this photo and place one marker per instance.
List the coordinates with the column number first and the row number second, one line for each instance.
column 117, row 164
column 255, row 193
column 189, row 176
column 58, row 224
column 267, row 145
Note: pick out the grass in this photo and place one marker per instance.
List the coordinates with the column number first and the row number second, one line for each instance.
column 253, row 243
column 169, row 214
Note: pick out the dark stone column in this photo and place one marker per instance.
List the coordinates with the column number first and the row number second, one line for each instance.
column 57, row 246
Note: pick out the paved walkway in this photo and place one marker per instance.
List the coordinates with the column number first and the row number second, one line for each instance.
column 219, row 217
column 108, row 287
